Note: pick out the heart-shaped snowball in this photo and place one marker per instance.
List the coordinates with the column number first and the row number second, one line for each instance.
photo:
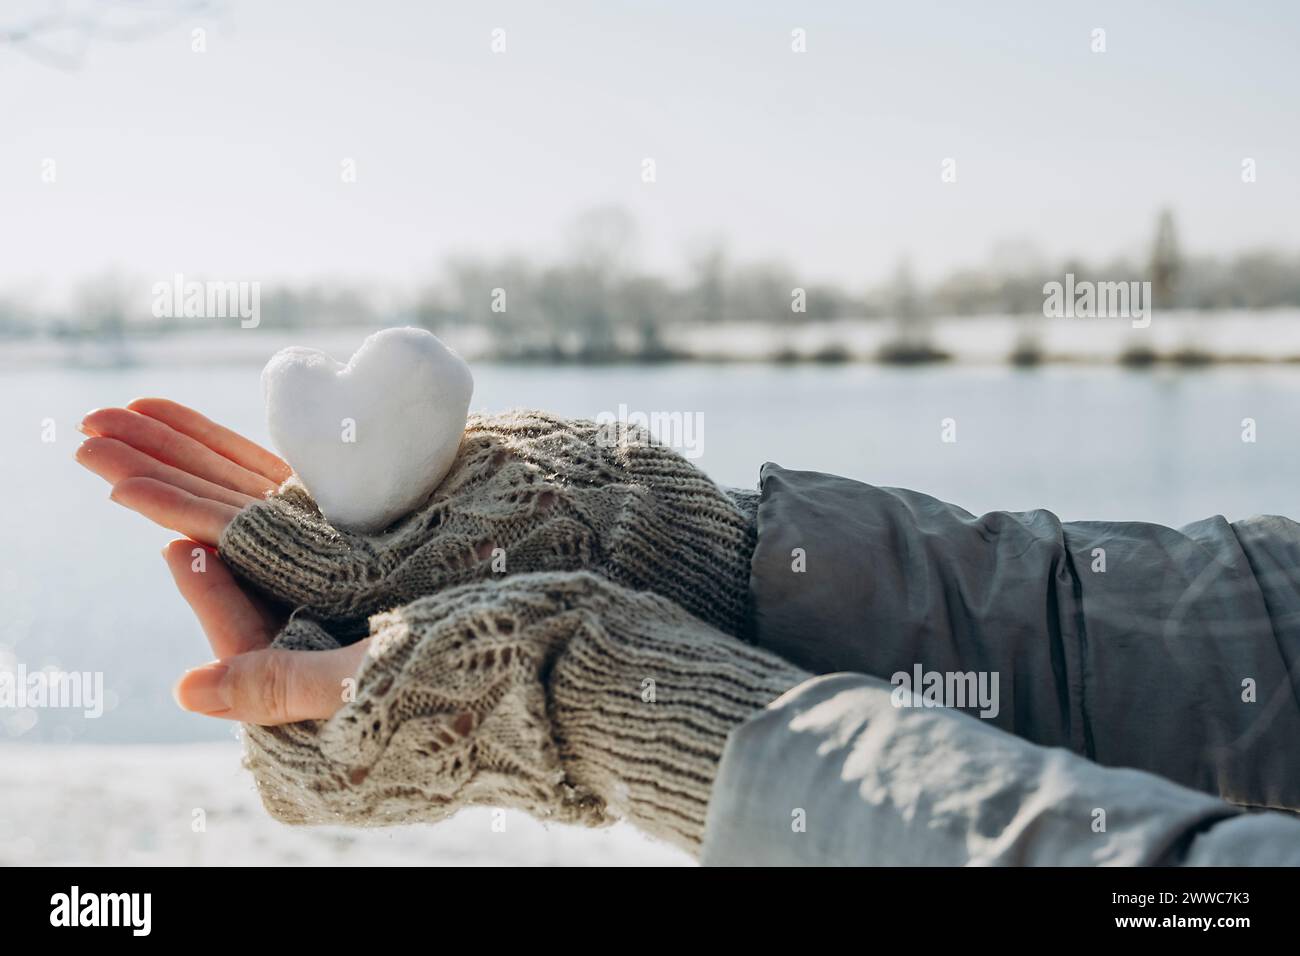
column 371, row 439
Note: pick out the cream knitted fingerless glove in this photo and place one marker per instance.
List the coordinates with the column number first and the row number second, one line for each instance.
column 527, row 492
column 564, row 695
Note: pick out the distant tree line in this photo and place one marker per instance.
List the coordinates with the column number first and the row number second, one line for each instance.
column 594, row 303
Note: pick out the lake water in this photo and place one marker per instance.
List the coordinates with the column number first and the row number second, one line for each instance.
column 82, row 586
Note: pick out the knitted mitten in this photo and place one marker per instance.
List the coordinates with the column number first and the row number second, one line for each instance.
column 527, row 492
column 564, row 695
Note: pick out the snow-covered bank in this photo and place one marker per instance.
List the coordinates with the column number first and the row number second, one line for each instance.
column 1228, row 336
column 143, row 805
column 1239, row 336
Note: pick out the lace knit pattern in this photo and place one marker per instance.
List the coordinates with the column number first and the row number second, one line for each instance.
column 567, row 696
column 528, row 492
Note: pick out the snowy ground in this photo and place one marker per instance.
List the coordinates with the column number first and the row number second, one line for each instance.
column 138, row 805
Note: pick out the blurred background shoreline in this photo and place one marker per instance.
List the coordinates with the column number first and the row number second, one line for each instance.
column 595, row 307
column 1181, row 339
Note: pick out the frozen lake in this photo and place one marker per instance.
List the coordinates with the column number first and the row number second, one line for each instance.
column 83, row 587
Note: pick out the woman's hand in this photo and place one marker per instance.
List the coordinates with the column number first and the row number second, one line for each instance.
column 250, row 681
column 526, row 691
column 528, row 492
column 176, row 467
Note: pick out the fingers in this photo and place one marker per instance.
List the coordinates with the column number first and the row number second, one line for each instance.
column 251, row 682
column 171, row 447
column 220, row 439
column 174, row 508
column 116, row 461
column 233, row 620
column 271, row 686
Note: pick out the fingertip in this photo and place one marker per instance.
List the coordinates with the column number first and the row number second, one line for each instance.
column 203, row 690
column 178, row 548
column 134, row 483
column 93, row 444
column 128, row 488
column 176, row 692
column 146, row 402
column 91, row 421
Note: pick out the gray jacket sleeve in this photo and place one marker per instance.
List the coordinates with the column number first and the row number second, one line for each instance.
column 845, row 770
column 1170, row 650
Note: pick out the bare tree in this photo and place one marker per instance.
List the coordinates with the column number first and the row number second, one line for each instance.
column 59, row 34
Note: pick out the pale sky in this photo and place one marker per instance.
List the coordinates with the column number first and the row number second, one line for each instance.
column 227, row 163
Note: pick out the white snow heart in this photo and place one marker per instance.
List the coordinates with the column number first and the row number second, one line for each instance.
column 370, row 439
